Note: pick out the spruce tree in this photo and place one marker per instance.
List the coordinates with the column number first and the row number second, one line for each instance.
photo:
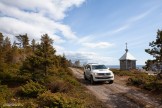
column 7, row 50
column 1, row 39
column 33, row 45
column 40, row 63
column 47, row 52
column 64, row 62
column 1, row 52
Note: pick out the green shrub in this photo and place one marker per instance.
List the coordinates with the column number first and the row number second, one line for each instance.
column 135, row 81
column 2, row 100
column 122, row 72
column 58, row 100
column 66, row 74
column 5, row 94
column 60, row 86
column 146, row 82
column 149, row 86
column 12, row 80
column 30, row 104
column 141, row 79
column 50, row 79
column 158, row 86
column 68, row 71
column 32, row 89
column 153, row 86
column 63, row 72
column 72, row 80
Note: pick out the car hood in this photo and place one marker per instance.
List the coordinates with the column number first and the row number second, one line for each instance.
column 102, row 71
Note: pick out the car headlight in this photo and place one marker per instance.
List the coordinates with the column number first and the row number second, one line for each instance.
column 95, row 74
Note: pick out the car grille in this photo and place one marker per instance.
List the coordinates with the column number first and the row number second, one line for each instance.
column 103, row 73
column 103, row 77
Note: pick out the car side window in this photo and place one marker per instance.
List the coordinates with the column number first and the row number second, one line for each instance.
column 88, row 67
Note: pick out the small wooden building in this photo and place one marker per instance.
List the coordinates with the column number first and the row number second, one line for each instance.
column 127, row 61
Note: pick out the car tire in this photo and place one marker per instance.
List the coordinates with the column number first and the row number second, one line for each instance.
column 110, row 82
column 91, row 80
column 85, row 76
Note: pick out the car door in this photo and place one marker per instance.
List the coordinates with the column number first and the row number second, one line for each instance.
column 85, row 70
column 88, row 71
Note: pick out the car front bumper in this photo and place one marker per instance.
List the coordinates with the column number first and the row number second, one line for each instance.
column 103, row 78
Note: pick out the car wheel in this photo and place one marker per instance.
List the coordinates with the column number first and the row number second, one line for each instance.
column 110, row 82
column 91, row 80
column 85, row 76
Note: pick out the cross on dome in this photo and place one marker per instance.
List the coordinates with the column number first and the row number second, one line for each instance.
column 126, row 48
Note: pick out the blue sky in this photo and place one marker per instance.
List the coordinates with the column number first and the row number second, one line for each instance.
column 86, row 30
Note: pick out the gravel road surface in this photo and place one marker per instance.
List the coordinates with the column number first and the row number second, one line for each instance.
column 118, row 94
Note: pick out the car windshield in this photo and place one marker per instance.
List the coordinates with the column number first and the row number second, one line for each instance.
column 99, row 67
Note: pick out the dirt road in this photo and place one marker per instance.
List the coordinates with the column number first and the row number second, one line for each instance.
column 118, row 95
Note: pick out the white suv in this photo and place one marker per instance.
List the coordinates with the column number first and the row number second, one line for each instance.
column 98, row 72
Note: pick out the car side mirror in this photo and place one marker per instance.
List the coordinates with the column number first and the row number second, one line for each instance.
column 108, row 68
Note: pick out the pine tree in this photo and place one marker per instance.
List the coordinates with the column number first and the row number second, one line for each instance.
column 23, row 39
column 24, row 44
column 156, row 52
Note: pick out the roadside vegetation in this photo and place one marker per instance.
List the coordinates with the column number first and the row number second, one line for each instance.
column 141, row 80
column 32, row 75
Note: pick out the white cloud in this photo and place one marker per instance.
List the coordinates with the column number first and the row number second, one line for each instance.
column 98, row 45
column 140, row 16
column 36, row 18
column 117, row 30
column 85, row 39
column 54, row 9
column 59, row 49
column 89, row 57
column 66, row 31
column 15, row 27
